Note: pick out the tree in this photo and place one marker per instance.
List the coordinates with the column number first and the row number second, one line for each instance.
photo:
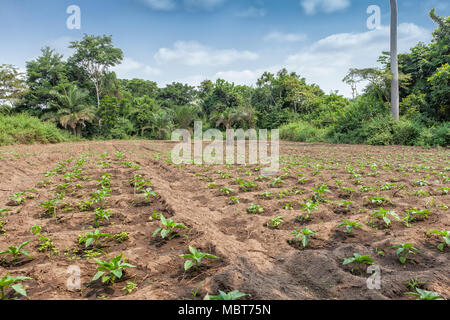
column 395, row 91
column 12, row 86
column 95, row 55
column 72, row 110
column 184, row 116
column 44, row 74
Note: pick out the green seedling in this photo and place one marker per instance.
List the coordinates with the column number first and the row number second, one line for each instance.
column 130, row 287
column 105, row 181
column 92, row 238
column 248, row 186
column 233, row 295
column 17, row 199
column 50, row 207
column 444, row 234
column 416, row 215
column 226, row 191
column 112, row 270
column 305, row 234
column 168, row 229
column 195, row 258
column 403, row 250
column 425, row 295
column 359, row 260
column 16, row 252
column 415, row 283
column 36, row 230
column 349, row 225
column 101, row 215
column 255, row 209
column 309, row 207
column 13, row 283
column 384, row 215
column 46, row 244
column 275, row 222
column 119, row 156
column 319, row 192
column 121, row 237
column 234, row 200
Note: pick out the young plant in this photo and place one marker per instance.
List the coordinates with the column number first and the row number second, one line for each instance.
column 275, row 222
column 195, row 258
column 403, row 250
column 349, row 225
column 233, row 295
column 359, row 259
column 130, row 287
column 101, row 215
column 92, row 238
column 17, row 199
column 444, row 234
column 305, row 234
column 415, row 283
column 112, row 270
column 226, row 191
column 50, row 207
column 234, row 200
column 16, row 252
column 168, row 229
column 319, row 192
column 415, row 215
column 425, row 295
column 309, row 207
column 382, row 214
column 255, row 209
column 13, row 283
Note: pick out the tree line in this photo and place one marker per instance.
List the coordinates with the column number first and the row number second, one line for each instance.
column 82, row 95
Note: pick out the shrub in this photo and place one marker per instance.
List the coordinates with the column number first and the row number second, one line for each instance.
column 24, row 129
column 301, row 131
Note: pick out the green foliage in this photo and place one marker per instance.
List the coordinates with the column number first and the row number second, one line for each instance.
column 168, row 229
column 233, row 295
column 445, row 236
column 16, row 252
column 403, row 250
column 425, row 295
column 305, row 234
column 195, row 258
column 109, row 271
column 13, row 283
column 359, row 260
column 24, row 129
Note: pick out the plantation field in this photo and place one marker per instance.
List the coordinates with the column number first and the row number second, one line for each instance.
column 54, row 196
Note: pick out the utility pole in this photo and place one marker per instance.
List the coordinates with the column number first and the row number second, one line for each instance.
column 395, row 95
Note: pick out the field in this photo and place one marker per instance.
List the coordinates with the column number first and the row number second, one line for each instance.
column 396, row 194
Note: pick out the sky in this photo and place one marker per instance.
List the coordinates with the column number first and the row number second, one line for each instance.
column 237, row 40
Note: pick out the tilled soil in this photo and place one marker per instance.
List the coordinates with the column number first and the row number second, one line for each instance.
column 253, row 258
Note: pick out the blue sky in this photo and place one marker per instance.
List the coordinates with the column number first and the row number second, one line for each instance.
column 193, row 40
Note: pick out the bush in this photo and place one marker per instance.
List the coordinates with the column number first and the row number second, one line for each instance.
column 301, row 131
column 406, row 132
column 24, row 129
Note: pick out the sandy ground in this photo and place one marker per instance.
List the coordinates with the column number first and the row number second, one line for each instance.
column 254, row 259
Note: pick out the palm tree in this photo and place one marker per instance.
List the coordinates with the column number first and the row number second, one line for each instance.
column 73, row 110
column 395, row 98
column 184, row 116
column 160, row 124
column 229, row 117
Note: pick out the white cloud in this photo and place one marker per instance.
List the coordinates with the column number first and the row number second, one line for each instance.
column 131, row 68
column 285, row 37
column 252, row 12
column 311, row 7
column 195, row 54
column 162, row 5
column 328, row 60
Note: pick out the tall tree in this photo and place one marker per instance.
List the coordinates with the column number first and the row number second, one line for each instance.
column 12, row 86
column 395, row 91
column 95, row 55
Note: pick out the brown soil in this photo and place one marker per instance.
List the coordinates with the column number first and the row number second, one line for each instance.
column 254, row 258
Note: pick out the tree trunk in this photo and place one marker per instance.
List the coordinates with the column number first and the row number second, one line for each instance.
column 395, row 98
